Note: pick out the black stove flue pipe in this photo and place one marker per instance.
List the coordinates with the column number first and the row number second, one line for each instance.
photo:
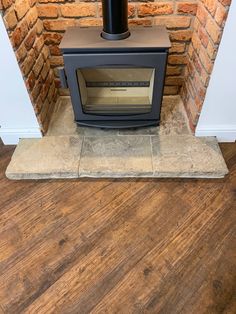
column 115, row 19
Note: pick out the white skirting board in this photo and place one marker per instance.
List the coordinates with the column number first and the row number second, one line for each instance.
column 11, row 136
column 224, row 133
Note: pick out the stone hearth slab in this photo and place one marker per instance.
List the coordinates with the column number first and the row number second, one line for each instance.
column 62, row 122
column 49, row 157
column 111, row 156
column 173, row 121
column 116, row 156
column 187, row 156
column 69, row 151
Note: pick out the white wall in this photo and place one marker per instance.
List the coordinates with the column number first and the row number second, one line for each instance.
column 218, row 116
column 17, row 118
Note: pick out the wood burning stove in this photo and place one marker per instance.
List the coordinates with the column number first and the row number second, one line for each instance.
column 115, row 83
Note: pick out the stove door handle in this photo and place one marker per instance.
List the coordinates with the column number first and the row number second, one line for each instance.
column 63, row 78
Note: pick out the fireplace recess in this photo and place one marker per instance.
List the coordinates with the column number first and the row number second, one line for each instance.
column 115, row 83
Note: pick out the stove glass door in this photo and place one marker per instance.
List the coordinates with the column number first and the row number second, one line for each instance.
column 116, row 90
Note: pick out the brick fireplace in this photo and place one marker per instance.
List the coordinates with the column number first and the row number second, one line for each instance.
column 36, row 27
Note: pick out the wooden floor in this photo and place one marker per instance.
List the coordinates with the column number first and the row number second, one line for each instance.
column 118, row 246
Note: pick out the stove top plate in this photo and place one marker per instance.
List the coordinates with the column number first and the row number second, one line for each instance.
column 89, row 40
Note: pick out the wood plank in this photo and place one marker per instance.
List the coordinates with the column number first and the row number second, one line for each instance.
column 160, row 262
column 157, row 217
column 129, row 246
column 33, row 260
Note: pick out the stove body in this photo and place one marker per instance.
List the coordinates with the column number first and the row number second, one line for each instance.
column 115, row 83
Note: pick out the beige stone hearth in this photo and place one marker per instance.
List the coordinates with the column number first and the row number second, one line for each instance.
column 68, row 151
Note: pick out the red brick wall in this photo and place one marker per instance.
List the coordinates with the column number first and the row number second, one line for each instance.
column 207, row 31
column 25, row 30
column 178, row 16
